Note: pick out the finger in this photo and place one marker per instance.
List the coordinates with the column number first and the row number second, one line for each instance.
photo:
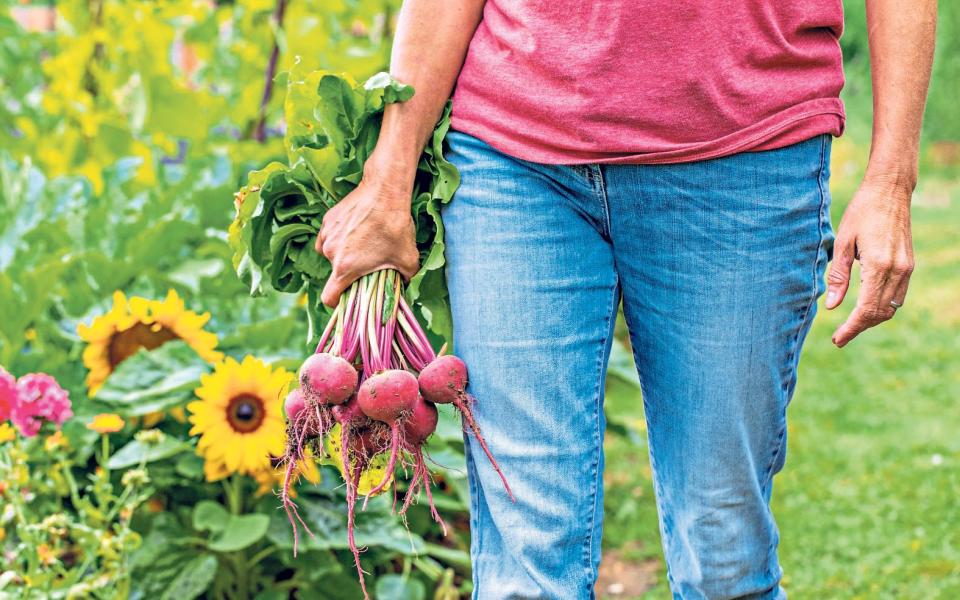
column 321, row 237
column 859, row 321
column 893, row 280
column 873, row 306
column 409, row 266
column 327, row 249
column 903, row 272
column 326, row 224
column 333, row 289
column 900, row 295
column 865, row 312
column 838, row 279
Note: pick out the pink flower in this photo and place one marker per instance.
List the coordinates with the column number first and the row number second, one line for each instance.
column 8, row 394
column 39, row 397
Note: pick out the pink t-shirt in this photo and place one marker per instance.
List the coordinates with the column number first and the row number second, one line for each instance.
column 654, row 81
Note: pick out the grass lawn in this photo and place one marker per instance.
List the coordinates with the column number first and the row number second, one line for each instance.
column 869, row 501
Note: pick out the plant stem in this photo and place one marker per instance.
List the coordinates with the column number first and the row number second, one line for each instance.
column 260, row 131
column 105, row 453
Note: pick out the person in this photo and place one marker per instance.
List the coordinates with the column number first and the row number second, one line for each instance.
column 672, row 155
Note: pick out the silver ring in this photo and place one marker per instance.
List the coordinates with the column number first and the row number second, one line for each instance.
column 895, row 304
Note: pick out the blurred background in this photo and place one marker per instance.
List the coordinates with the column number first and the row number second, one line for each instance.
column 126, row 126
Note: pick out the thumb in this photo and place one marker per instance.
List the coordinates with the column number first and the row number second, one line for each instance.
column 333, row 289
column 838, row 280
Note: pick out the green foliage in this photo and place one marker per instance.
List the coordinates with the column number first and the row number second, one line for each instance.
column 122, row 148
column 332, row 127
column 63, row 527
column 152, row 381
column 940, row 119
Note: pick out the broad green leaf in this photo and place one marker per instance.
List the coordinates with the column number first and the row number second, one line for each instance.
column 449, row 556
column 134, row 452
column 621, row 365
column 192, row 579
column 378, row 528
column 153, row 380
column 210, row 516
column 240, row 532
column 190, row 465
column 398, row 587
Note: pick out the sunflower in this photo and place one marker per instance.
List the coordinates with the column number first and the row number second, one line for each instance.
column 239, row 417
column 141, row 323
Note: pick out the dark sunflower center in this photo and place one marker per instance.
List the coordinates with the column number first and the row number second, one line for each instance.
column 125, row 344
column 245, row 413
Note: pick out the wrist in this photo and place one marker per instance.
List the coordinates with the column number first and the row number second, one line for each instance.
column 392, row 173
column 895, row 178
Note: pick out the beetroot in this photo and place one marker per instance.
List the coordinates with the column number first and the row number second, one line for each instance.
column 387, row 396
column 422, row 422
column 416, row 429
column 327, row 379
column 444, row 381
column 293, row 405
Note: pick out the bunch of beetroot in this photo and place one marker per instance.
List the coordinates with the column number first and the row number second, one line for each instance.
column 376, row 375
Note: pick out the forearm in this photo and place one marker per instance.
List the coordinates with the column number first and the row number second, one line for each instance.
column 901, row 37
column 428, row 51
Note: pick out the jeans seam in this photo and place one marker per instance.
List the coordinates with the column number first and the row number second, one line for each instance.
column 601, row 191
column 791, row 359
column 804, row 323
column 475, row 529
column 598, row 439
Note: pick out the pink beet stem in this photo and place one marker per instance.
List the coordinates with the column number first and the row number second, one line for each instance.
column 401, row 360
column 468, row 417
column 391, row 325
column 328, row 329
column 415, row 356
column 391, row 464
column 364, row 340
column 421, row 337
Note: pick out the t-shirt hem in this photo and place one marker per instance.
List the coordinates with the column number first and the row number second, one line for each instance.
column 804, row 121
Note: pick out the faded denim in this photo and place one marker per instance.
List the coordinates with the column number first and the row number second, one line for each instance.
column 719, row 265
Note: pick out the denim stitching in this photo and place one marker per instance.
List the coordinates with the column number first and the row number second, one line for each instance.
column 602, row 196
column 475, row 528
column 663, row 520
column 598, row 440
column 791, row 359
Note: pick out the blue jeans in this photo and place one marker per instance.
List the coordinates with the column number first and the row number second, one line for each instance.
column 719, row 265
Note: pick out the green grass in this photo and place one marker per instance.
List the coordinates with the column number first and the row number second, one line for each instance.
column 869, row 502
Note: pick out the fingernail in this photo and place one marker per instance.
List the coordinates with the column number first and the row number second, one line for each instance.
column 831, row 298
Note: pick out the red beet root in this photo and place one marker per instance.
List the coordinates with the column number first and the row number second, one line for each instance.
column 444, row 381
column 327, row 379
column 421, row 423
column 293, row 405
column 349, row 413
column 388, row 395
